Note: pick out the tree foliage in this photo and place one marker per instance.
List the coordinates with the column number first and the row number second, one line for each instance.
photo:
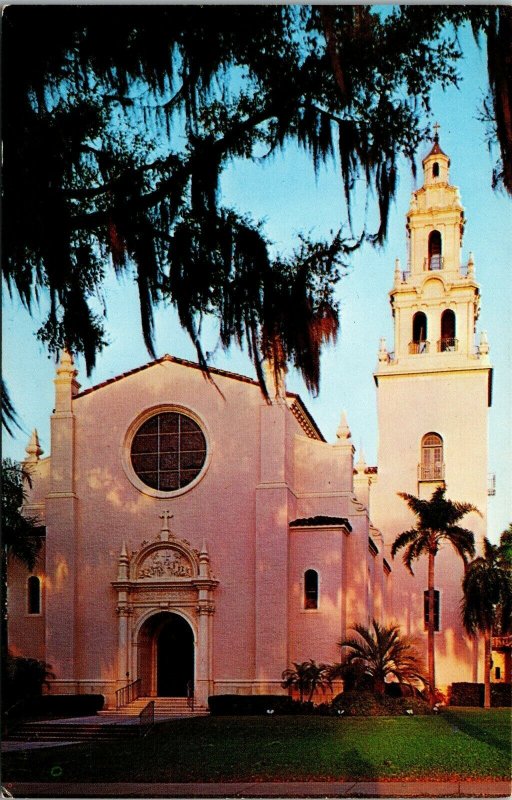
column 21, row 535
column 307, row 677
column 487, row 587
column 383, row 654
column 436, row 524
column 487, row 598
column 119, row 123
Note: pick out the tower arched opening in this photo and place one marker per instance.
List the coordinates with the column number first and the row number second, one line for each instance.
column 419, row 343
column 448, row 341
column 435, row 250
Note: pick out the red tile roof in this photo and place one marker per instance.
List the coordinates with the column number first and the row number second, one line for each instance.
column 320, row 521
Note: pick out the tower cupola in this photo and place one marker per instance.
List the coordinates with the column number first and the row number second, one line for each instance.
column 436, row 164
column 436, row 300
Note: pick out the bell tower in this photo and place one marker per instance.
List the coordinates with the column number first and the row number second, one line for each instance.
column 433, row 391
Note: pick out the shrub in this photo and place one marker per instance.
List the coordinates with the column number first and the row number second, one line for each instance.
column 357, row 704
column 501, row 694
column 23, row 678
column 370, row 704
column 472, row 694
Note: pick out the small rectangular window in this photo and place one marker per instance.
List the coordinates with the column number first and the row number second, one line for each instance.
column 497, row 673
column 426, row 609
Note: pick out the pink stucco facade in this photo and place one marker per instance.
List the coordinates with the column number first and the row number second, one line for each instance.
column 207, row 585
column 267, row 466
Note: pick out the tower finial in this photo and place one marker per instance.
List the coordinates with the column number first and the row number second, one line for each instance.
column 343, row 431
column 33, row 448
column 436, row 127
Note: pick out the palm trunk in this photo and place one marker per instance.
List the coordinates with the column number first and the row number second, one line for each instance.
column 4, row 633
column 430, row 630
column 487, row 668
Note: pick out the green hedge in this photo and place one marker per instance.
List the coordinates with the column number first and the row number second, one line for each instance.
column 58, row 705
column 227, row 704
column 472, row 694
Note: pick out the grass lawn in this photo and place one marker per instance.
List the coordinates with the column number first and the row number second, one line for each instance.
column 459, row 743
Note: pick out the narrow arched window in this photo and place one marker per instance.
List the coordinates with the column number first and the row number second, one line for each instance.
column 419, row 342
column 432, row 467
column 34, row 595
column 311, row 588
column 448, row 341
column 435, row 169
column 435, row 249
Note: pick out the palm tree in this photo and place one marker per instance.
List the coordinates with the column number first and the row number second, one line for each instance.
column 487, row 600
column 21, row 535
column 437, row 520
column 381, row 652
column 306, row 677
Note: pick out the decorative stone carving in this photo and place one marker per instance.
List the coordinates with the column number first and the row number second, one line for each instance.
column 204, row 607
column 124, row 611
column 168, row 563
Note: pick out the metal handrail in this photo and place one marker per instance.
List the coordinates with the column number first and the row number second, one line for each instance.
column 434, row 472
column 147, row 718
column 129, row 693
column 434, row 262
column 447, row 344
column 190, row 695
column 422, row 346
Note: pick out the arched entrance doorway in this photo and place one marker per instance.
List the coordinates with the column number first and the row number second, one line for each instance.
column 166, row 656
column 175, row 658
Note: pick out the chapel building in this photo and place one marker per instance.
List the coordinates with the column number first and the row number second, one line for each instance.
column 200, row 539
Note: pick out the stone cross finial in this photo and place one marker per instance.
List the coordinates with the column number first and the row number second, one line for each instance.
column 164, row 531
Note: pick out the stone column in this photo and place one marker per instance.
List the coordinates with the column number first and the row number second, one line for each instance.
column 122, row 651
column 205, row 610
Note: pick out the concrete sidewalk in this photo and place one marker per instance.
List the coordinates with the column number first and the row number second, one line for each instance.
column 368, row 789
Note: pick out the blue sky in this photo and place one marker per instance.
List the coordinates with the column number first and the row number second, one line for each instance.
column 286, row 194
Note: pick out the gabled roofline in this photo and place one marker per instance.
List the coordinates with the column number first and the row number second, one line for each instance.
column 297, row 406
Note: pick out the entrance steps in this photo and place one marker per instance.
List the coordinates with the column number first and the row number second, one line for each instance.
column 71, row 731
column 165, row 707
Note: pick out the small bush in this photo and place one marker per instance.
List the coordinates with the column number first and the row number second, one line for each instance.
column 472, row 694
column 370, row 704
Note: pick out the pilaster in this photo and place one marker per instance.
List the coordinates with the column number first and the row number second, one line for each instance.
column 272, row 515
column 61, row 522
